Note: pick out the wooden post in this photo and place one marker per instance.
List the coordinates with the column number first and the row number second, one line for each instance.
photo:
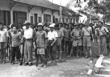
column 12, row 4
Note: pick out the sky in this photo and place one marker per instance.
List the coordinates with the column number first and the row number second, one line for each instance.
column 62, row 2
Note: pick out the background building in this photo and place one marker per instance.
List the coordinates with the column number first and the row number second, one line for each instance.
column 17, row 11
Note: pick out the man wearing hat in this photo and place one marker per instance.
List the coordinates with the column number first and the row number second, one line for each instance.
column 40, row 44
column 52, row 37
column 28, row 44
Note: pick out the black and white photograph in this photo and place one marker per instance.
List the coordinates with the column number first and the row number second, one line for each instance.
column 54, row 38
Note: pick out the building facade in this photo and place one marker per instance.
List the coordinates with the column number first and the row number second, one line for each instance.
column 36, row 11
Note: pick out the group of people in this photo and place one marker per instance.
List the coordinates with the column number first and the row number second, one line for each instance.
column 51, row 42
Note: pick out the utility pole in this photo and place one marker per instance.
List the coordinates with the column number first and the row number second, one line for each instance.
column 61, row 11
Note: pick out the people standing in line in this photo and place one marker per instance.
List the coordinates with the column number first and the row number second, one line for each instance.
column 52, row 38
column 40, row 36
column 87, row 34
column 59, row 41
column 76, row 36
column 3, row 43
column 28, row 45
column 15, row 38
column 102, row 32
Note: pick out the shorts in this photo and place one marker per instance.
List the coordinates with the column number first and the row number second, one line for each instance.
column 41, row 51
column 59, row 41
column 77, row 43
column 87, row 41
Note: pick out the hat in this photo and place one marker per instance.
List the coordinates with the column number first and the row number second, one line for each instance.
column 52, row 25
column 24, row 27
column 27, row 23
column 40, row 24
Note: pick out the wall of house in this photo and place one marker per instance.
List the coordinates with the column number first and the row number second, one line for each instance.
column 56, row 14
column 5, row 5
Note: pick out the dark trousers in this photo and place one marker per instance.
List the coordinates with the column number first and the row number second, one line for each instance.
column 52, row 49
column 3, row 51
column 15, row 53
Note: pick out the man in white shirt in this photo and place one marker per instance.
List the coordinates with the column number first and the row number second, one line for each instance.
column 52, row 37
column 28, row 45
column 3, row 43
column 87, row 33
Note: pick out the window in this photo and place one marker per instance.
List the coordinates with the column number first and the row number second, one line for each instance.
column 47, row 18
column 35, row 19
column 31, row 19
column 5, row 17
column 19, row 18
column 56, row 20
column 40, row 19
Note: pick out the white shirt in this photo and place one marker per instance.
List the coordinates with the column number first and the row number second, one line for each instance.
column 52, row 35
column 86, row 32
column 3, row 36
column 28, row 33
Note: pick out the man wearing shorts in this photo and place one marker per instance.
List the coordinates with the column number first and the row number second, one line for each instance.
column 86, row 32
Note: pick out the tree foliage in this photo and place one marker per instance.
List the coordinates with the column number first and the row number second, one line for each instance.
column 103, row 8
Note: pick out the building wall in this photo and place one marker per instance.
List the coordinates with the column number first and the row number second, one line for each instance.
column 56, row 14
column 20, row 7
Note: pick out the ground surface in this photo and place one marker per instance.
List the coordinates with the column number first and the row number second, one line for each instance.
column 73, row 67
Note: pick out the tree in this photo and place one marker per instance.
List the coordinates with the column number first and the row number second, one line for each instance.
column 102, row 8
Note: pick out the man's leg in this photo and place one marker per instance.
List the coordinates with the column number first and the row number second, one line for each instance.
column 13, row 54
column 18, row 54
column 89, row 46
column 30, row 55
column 43, row 60
column 72, row 49
column 25, row 53
column 37, row 59
column 60, row 52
